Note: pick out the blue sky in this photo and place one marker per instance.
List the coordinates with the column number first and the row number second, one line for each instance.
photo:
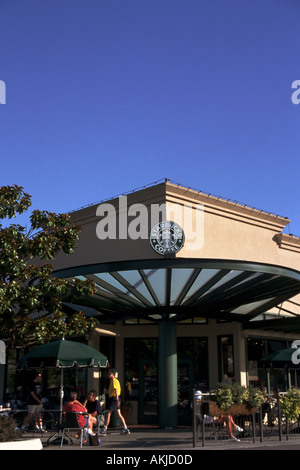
column 104, row 96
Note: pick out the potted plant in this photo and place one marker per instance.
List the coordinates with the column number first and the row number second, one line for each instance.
column 7, row 429
column 236, row 400
column 11, row 439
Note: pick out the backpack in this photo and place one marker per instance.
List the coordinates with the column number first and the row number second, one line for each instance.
column 94, row 440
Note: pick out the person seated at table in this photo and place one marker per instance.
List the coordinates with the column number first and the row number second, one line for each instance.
column 75, row 406
column 265, row 406
column 93, row 405
column 273, row 406
column 229, row 422
column 223, row 419
column 15, row 402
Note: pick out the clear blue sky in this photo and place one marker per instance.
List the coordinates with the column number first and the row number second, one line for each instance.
column 104, row 96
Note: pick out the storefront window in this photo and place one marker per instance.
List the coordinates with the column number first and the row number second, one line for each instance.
column 141, row 377
column 195, row 350
column 192, row 372
column 193, row 320
column 257, row 348
column 226, row 359
column 275, row 345
column 136, row 352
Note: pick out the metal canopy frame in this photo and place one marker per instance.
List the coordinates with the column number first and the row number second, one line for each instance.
column 180, row 288
column 168, row 290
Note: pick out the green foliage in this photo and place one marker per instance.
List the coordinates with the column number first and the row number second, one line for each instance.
column 223, row 396
column 27, row 284
column 253, row 398
column 7, row 429
column 290, row 404
column 227, row 396
column 239, row 394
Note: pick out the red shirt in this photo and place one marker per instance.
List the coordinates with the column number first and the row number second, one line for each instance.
column 69, row 407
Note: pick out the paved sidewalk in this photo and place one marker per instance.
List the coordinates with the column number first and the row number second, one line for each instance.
column 174, row 441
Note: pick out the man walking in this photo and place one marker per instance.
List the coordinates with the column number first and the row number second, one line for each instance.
column 35, row 404
column 114, row 403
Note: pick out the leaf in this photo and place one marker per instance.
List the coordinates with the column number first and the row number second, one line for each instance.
column 30, row 296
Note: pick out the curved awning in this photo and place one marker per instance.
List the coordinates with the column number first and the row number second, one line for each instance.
column 183, row 288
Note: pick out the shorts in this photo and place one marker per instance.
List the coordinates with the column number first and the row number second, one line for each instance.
column 33, row 409
column 86, row 424
column 113, row 404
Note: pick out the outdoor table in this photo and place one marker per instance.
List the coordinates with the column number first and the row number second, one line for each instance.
column 11, row 411
column 54, row 437
column 14, row 413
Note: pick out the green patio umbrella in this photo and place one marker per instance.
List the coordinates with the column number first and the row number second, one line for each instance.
column 63, row 354
column 282, row 357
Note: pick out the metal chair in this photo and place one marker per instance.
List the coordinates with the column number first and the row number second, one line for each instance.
column 70, row 423
column 212, row 428
column 100, row 424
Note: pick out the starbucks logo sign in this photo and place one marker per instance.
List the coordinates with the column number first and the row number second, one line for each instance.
column 167, row 237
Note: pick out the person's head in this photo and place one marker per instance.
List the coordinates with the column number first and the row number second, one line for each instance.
column 73, row 396
column 111, row 373
column 92, row 395
column 38, row 377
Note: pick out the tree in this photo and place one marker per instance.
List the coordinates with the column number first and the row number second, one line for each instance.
column 31, row 309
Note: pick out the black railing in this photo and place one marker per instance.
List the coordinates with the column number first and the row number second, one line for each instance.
column 268, row 421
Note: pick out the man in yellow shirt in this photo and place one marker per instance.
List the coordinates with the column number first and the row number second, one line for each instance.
column 114, row 403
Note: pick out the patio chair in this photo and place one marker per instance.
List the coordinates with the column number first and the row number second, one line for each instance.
column 100, row 424
column 212, row 428
column 70, row 423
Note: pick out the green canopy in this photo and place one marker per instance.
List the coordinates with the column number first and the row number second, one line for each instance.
column 63, row 354
column 280, row 358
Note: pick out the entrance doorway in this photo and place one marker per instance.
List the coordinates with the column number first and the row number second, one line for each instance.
column 141, row 371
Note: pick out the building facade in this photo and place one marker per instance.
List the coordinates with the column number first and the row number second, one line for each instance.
column 191, row 290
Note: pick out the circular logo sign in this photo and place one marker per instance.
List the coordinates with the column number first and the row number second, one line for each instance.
column 167, row 237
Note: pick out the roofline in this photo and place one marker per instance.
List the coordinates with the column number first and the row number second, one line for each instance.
column 191, row 195
column 174, row 184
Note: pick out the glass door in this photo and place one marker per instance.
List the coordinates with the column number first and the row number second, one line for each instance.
column 148, row 391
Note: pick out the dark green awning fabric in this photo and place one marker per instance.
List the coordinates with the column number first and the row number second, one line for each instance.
column 280, row 358
column 63, row 353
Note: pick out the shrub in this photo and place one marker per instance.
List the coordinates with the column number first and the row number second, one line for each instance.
column 253, row 398
column 7, row 429
column 223, row 396
column 290, row 404
column 239, row 394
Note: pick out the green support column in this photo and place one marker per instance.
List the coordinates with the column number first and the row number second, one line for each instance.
column 167, row 366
